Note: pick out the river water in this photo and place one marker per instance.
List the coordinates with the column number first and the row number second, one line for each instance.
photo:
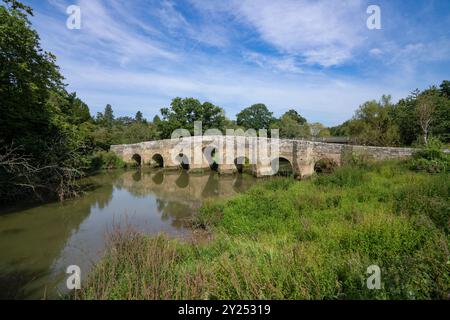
column 38, row 243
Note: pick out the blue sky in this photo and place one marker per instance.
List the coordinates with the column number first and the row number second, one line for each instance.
column 317, row 57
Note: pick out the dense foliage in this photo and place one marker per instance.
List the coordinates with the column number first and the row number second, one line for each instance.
column 286, row 239
column 411, row 121
column 42, row 149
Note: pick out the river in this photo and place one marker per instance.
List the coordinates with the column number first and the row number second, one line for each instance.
column 38, row 243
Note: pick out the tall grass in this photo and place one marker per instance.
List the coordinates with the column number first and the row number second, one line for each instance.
column 285, row 239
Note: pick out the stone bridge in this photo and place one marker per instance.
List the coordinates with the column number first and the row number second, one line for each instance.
column 229, row 154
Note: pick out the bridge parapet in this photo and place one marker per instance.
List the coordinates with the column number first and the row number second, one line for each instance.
column 194, row 153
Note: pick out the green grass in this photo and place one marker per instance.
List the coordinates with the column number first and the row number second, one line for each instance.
column 285, row 239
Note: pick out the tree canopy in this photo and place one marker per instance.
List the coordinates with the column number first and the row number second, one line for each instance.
column 184, row 112
column 255, row 117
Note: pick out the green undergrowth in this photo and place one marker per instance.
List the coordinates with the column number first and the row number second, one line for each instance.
column 285, row 239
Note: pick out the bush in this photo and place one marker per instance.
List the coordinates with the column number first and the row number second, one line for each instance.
column 431, row 158
column 325, row 166
column 428, row 198
column 343, row 177
column 106, row 160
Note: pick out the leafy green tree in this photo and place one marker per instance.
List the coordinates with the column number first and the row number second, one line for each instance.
column 37, row 115
column 139, row 117
column 406, row 114
column 290, row 128
column 77, row 111
column 184, row 112
column 318, row 130
column 138, row 132
column 373, row 124
column 255, row 117
column 108, row 116
column 295, row 116
column 28, row 75
column 445, row 88
column 156, row 120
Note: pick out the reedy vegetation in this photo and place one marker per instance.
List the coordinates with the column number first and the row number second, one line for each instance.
column 286, row 239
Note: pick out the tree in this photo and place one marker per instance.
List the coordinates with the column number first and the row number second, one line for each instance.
column 445, row 88
column 37, row 116
column 406, row 115
column 373, row 124
column 290, row 128
column 77, row 110
column 318, row 130
column 255, row 117
column 184, row 112
column 405, row 118
column 108, row 116
column 425, row 113
column 139, row 117
column 295, row 116
column 156, row 120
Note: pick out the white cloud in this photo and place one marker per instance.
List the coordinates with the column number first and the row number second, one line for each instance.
column 100, row 29
column 321, row 98
column 279, row 64
column 323, row 33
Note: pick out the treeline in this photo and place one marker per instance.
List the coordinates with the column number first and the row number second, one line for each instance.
column 411, row 121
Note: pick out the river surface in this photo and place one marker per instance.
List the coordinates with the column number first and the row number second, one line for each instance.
column 38, row 243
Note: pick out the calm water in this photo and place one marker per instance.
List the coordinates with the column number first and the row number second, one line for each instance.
column 38, row 244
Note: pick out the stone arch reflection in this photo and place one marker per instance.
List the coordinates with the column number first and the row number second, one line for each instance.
column 158, row 178
column 183, row 180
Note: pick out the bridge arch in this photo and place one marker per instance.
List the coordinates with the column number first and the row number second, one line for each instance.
column 157, row 161
column 243, row 165
column 183, row 161
column 325, row 165
column 137, row 159
column 210, row 154
column 281, row 166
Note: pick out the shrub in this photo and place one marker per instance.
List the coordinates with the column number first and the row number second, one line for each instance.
column 343, row 177
column 357, row 159
column 431, row 158
column 325, row 166
column 106, row 160
column 429, row 198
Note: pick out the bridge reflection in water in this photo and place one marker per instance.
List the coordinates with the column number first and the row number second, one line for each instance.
column 38, row 243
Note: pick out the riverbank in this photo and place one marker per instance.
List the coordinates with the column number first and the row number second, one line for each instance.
column 285, row 239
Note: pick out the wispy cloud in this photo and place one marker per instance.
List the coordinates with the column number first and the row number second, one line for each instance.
column 319, row 32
